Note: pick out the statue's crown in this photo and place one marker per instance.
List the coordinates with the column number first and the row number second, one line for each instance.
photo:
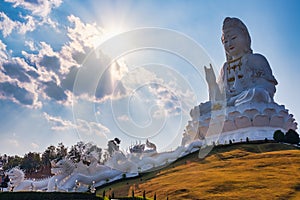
column 232, row 22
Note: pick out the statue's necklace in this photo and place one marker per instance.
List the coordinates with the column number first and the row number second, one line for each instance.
column 233, row 64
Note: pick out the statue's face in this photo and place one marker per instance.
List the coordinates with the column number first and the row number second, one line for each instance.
column 234, row 42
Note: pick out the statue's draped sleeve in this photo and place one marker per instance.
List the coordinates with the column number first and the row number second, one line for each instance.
column 261, row 68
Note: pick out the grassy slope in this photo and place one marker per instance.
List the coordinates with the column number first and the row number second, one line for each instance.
column 244, row 171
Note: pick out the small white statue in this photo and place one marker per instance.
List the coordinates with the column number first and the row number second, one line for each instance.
column 19, row 183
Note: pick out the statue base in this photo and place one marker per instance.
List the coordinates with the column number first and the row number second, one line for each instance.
column 255, row 121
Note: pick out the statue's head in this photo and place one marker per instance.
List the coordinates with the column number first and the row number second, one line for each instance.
column 63, row 166
column 234, row 27
column 16, row 175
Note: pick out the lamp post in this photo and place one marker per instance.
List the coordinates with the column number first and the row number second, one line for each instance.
column 77, row 184
column 32, row 185
column 93, row 189
column 11, row 185
column 55, row 185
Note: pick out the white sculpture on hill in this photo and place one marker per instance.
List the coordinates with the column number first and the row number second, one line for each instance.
column 66, row 176
column 140, row 148
column 19, row 183
column 78, row 177
column 60, row 170
column 241, row 103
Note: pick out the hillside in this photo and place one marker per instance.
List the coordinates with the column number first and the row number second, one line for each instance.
column 240, row 171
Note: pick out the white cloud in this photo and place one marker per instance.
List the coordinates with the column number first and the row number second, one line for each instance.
column 157, row 93
column 99, row 129
column 123, row 118
column 82, row 126
column 18, row 82
column 37, row 7
column 90, row 128
column 31, row 45
column 56, row 71
column 102, row 80
column 49, row 64
column 3, row 52
column 29, row 26
column 46, row 49
column 13, row 142
column 166, row 98
column 6, row 24
column 35, row 145
column 58, row 124
column 83, row 35
column 51, row 23
column 50, row 60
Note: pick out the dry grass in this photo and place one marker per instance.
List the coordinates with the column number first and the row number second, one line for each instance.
column 248, row 171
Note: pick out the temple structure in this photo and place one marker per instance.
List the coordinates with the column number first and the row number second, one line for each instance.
column 241, row 105
column 241, row 102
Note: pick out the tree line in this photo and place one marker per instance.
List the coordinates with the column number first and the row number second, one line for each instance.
column 33, row 161
column 291, row 136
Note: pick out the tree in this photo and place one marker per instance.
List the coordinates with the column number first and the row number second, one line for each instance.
column 247, row 139
column 48, row 155
column 74, row 154
column 292, row 137
column 4, row 158
column 61, row 151
column 4, row 182
column 92, row 153
column 86, row 152
column 12, row 162
column 31, row 162
column 278, row 136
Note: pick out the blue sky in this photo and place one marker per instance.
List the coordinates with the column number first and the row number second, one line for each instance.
column 47, row 96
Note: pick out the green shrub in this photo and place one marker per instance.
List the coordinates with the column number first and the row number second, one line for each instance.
column 292, row 137
column 278, row 136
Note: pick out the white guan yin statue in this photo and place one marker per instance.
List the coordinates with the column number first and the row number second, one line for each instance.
column 241, row 102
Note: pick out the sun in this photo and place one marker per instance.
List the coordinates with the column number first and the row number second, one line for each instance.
column 108, row 32
column 112, row 30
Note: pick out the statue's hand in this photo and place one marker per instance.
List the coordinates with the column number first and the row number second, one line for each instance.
column 210, row 75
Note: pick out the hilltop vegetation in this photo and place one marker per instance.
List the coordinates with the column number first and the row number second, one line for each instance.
column 240, row 171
